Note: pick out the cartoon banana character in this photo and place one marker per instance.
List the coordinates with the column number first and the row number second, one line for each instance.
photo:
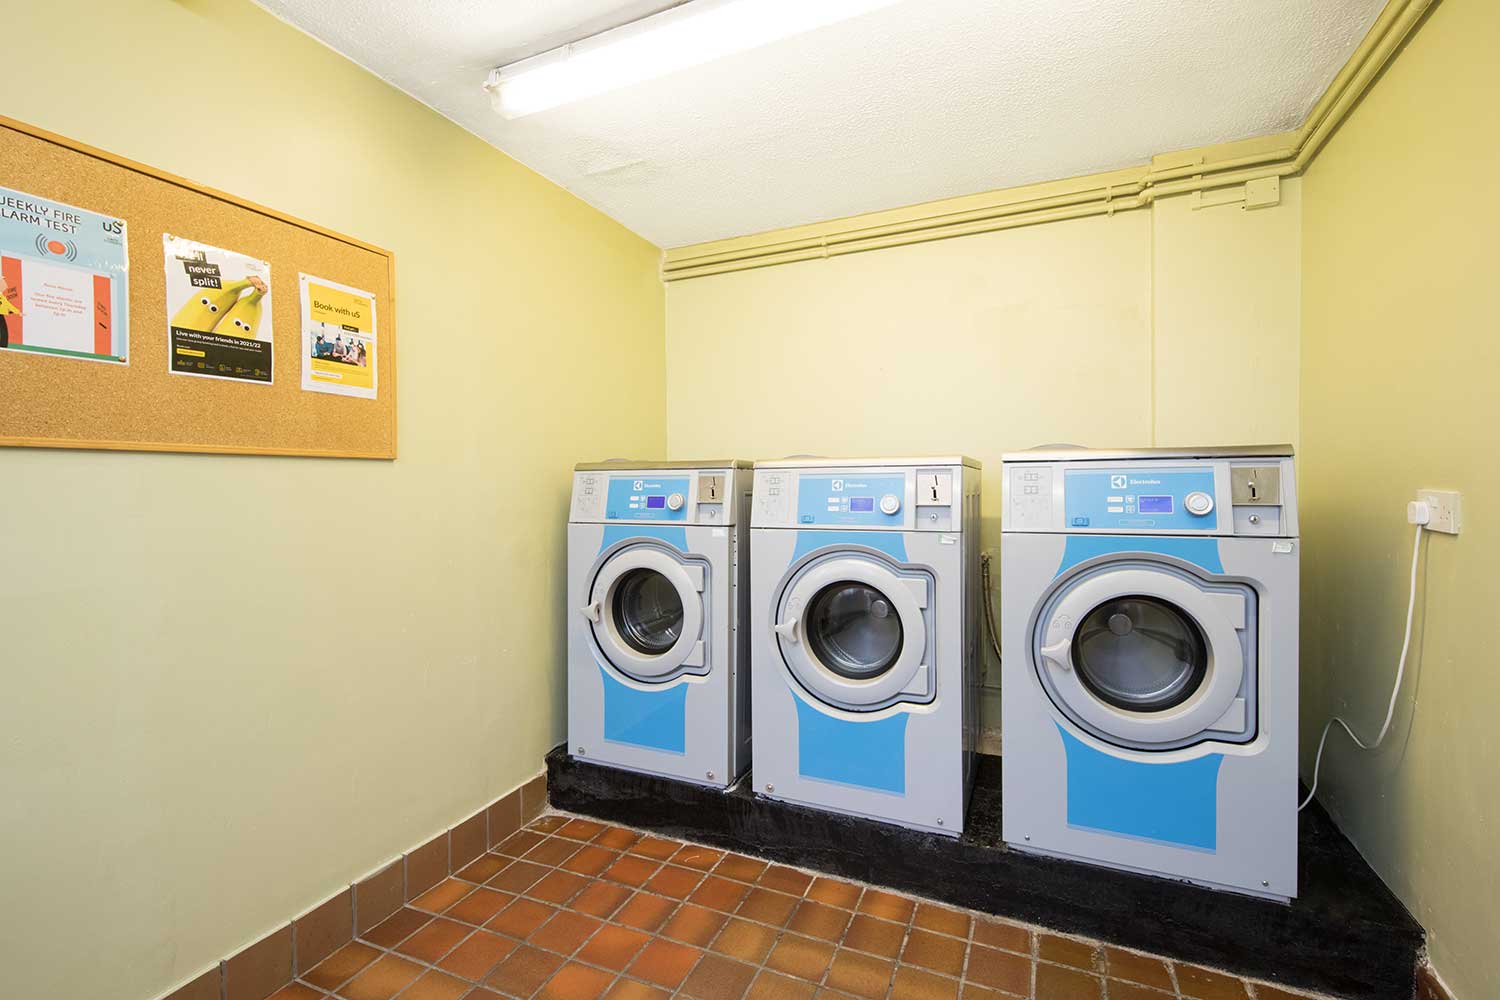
column 243, row 317
column 7, row 308
column 207, row 308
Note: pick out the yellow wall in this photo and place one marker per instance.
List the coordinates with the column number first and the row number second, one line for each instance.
column 209, row 719
column 1399, row 392
column 1169, row 325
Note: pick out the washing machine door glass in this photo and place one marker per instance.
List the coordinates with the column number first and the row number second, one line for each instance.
column 1140, row 653
column 854, row 630
column 647, row 611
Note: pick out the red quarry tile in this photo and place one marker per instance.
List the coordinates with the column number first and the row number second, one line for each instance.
column 878, row 937
column 590, row 861
column 784, row 879
column 548, row 824
column 520, row 918
column 1058, row 982
column 479, row 906
column 1068, row 951
column 291, row 991
column 581, row 829
column 600, row 899
column 801, row 957
column 466, row 841
column 774, row 986
column 437, row 986
column 1002, row 935
column 613, row 947
column 557, row 887
column 886, row 905
column 524, row 971
column 631, row 870
column 767, row 906
column 860, row 975
column 564, row 932
column 665, row 963
column 576, row 982
column 505, row 817
column 519, row 843
column 844, row 895
column 338, row 968
column 935, row 952
column 396, row 928
column 701, row 858
column 486, row 867
column 694, row 925
column 1000, row 970
column 629, row 989
column 1199, row 983
column 740, row 868
column 434, row 941
column 443, row 895
column 942, row 920
column 674, row 881
column 518, row 876
column 617, row 838
column 719, row 894
column 819, row 921
column 323, row 930
column 553, row 851
column 745, row 941
column 382, row 979
column 914, row 984
column 645, row 912
column 260, row 968
column 1137, row 968
column 656, row 848
column 718, row 978
column 480, row 953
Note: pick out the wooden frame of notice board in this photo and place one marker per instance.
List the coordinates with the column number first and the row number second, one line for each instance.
column 58, row 399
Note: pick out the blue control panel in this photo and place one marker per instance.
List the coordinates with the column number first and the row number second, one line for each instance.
column 1137, row 498
column 849, row 500
column 636, row 499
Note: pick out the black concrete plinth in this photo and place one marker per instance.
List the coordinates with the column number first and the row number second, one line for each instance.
column 1345, row 934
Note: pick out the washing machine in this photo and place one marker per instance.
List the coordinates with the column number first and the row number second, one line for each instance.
column 1149, row 671
column 864, row 631
column 658, row 676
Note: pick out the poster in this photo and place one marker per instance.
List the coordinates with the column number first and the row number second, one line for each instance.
column 219, row 302
column 64, row 280
column 338, row 339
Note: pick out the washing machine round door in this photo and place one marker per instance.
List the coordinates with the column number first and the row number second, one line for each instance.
column 1143, row 654
column 646, row 611
column 853, row 632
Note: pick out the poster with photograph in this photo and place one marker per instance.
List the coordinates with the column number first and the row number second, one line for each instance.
column 219, row 302
column 64, row 280
column 338, row 339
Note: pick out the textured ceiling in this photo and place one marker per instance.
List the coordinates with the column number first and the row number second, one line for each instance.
column 922, row 100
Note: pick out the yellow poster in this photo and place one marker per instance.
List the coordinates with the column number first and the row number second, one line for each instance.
column 339, row 352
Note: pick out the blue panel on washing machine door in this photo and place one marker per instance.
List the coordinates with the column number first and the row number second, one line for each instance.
column 656, row 720
column 635, row 498
column 1170, row 803
column 1137, row 499
column 868, row 754
column 849, row 500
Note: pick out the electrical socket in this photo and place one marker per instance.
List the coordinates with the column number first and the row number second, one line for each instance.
column 1445, row 510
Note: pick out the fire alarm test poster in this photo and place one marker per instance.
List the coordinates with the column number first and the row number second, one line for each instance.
column 219, row 302
column 338, row 339
column 64, row 280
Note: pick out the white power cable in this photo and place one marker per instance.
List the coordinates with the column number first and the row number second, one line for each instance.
column 1390, row 712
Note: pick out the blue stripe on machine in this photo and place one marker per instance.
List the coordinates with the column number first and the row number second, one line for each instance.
column 869, row 754
column 614, row 534
column 1201, row 552
column 1171, row 803
column 892, row 543
column 656, row 720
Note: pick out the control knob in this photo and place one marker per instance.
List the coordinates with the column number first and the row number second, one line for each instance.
column 674, row 502
column 1198, row 503
column 890, row 503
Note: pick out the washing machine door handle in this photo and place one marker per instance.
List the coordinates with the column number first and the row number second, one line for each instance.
column 1057, row 654
column 591, row 611
column 787, row 629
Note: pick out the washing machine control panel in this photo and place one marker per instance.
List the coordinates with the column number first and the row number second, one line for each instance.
column 1205, row 496
column 669, row 496
column 875, row 498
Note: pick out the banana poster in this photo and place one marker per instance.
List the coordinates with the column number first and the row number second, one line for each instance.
column 338, row 339
column 63, row 280
column 219, row 302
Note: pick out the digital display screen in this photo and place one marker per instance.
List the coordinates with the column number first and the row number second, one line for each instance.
column 656, row 503
column 1155, row 505
column 861, row 504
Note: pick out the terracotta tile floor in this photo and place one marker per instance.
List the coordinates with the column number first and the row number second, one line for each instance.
column 571, row 909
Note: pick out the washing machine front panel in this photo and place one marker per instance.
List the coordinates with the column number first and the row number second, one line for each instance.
column 1148, row 653
column 658, row 677
column 862, row 594
column 1083, row 778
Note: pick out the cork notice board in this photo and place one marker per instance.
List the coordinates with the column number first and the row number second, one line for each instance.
column 57, row 402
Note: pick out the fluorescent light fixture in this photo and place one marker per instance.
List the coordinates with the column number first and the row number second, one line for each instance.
column 687, row 35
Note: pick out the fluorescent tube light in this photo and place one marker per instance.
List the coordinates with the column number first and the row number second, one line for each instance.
column 689, row 34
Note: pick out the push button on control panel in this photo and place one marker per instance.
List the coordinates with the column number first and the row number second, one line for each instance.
column 674, row 502
column 1198, row 503
column 890, row 503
